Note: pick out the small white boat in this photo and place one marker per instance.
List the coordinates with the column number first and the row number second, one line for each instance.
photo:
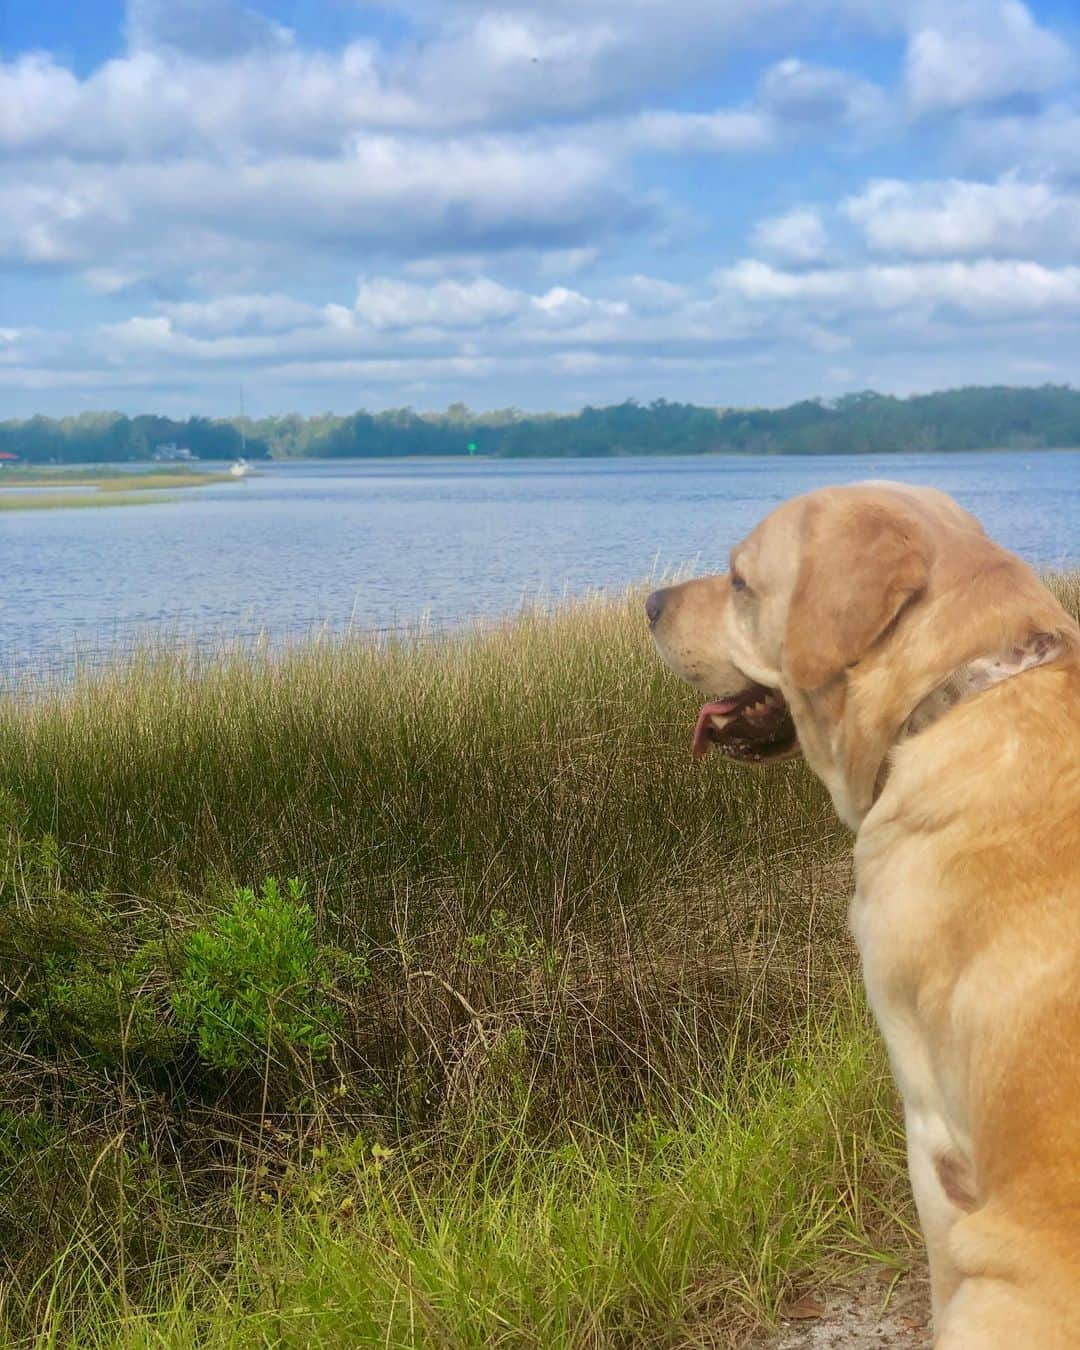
column 239, row 468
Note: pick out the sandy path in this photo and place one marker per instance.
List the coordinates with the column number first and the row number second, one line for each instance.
column 863, row 1315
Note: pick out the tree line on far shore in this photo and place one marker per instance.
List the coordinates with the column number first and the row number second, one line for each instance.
column 959, row 419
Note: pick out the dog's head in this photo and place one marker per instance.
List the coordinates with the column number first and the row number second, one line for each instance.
column 839, row 611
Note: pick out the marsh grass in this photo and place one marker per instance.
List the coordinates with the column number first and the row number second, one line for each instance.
column 74, row 501
column 678, row 1229
column 559, row 1041
column 109, row 480
column 105, row 488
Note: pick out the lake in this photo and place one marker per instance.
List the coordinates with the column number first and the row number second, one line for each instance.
column 379, row 544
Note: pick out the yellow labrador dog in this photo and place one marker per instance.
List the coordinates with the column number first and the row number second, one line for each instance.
column 933, row 684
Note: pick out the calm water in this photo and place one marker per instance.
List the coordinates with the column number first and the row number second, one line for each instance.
column 381, row 543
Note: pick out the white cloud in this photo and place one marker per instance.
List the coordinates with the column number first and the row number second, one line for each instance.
column 799, row 237
column 975, row 52
column 198, row 72
column 388, row 304
column 565, row 55
column 793, row 97
column 37, row 100
column 165, row 169
column 561, row 307
column 174, row 167
column 524, row 261
column 500, row 64
column 242, row 314
column 431, row 343
column 724, row 132
column 492, row 172
column 389, row 318
column 12, row 344
column 477, row 322
column 485, row 320
column 397, row 195
column 407, row 337
column 957, row 218
column 654, row 295
column 812, row 96
column 216, row 29
column 153, row 103
column 1045, row 144
column 977, row 290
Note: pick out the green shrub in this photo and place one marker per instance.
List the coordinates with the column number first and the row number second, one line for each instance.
column 255, row 984
column 112, row 1012
column 82, row 973
column 505, row 942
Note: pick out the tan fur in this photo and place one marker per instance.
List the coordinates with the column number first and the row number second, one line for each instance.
column 860, row 601
column 836, row 613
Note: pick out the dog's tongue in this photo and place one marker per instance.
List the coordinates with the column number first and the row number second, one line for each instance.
column 705, row 734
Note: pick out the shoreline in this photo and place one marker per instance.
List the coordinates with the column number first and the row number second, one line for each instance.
column 615, row 455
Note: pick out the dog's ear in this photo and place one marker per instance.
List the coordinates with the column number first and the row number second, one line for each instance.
column 862, row 562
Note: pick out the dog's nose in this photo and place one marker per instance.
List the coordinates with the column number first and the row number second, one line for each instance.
column 654, row 606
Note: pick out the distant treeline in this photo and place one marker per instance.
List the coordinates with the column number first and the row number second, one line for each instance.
column 112, row 438
column 959, row 419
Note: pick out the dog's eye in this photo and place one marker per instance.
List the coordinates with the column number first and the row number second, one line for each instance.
column 738, row 583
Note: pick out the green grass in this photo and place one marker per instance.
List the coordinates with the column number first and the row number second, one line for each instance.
column 73, row 501
column 107, row 488
column 109, row 480
column 676, row 1229
column 556, row 1040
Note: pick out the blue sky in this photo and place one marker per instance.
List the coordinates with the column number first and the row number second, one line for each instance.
column 322, row 204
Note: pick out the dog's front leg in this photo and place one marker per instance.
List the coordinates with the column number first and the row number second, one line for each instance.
column 935, row 1170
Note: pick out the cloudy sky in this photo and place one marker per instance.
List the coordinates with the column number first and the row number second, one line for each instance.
column 324, row 204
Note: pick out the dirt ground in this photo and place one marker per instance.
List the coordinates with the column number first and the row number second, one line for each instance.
column 871, row 1312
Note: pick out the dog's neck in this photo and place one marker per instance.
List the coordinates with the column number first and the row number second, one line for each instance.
column 967, row 681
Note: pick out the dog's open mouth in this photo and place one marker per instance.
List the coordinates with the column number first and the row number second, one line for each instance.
column 755, row 726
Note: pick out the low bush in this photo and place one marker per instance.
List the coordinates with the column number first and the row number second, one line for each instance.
column 254, row 984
